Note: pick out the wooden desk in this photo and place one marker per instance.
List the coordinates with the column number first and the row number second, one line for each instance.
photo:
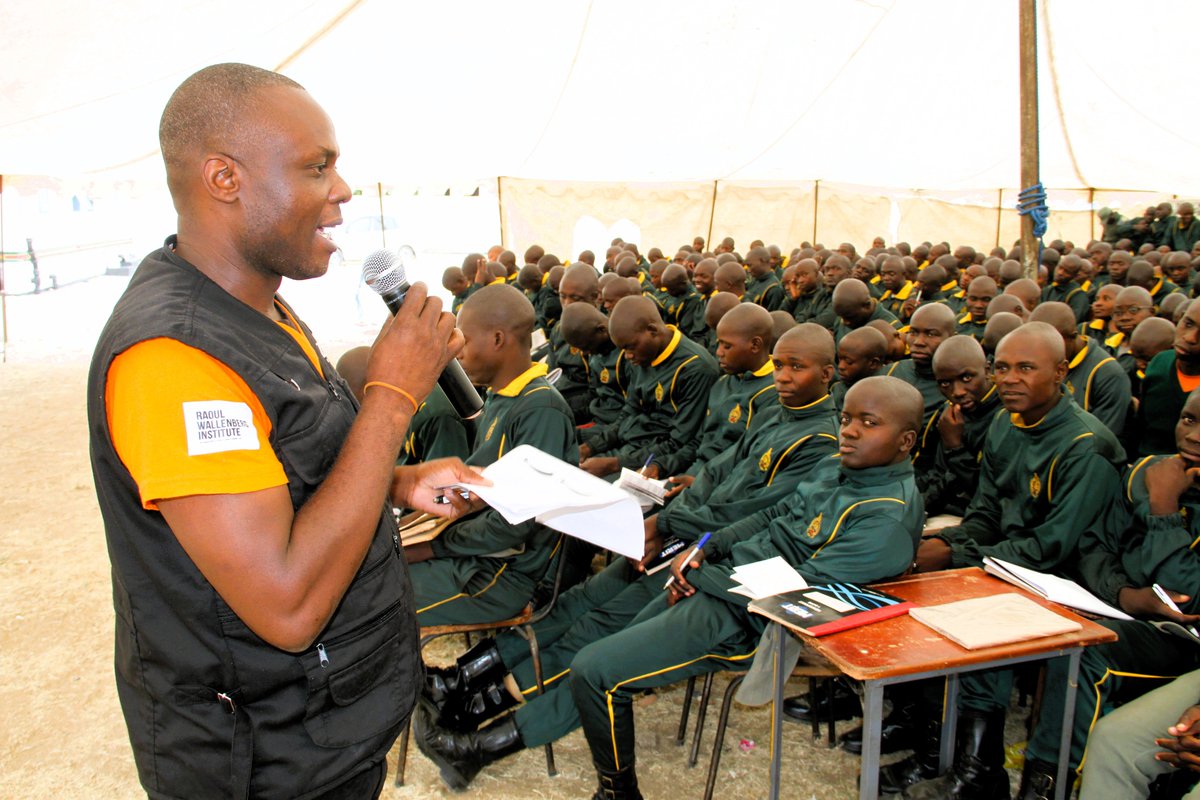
column 901, row 649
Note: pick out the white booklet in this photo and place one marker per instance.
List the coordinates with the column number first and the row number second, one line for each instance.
column 642, row 487
column 530, row 484
column 1059, row 590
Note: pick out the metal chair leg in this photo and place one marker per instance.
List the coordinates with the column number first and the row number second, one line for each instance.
column 832, row 684
column 719, row 742
column 701, row 712
column 687, row 710
column 814, row 720
column 536, row 655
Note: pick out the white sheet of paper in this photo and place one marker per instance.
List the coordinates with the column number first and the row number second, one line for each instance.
column 528, row 484
column 1060, row 590
column 767, row 577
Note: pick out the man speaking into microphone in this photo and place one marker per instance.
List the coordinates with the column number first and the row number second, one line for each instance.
column 266, row 644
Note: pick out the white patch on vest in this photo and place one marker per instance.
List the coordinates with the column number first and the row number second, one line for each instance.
column 218, row 426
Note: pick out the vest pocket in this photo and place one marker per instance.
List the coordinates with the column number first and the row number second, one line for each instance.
column 357, row 683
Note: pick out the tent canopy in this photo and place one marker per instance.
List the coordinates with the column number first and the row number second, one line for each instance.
column 909, row 94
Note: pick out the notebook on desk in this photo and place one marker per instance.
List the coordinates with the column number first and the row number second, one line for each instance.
column 822, row 610
column 994, row 620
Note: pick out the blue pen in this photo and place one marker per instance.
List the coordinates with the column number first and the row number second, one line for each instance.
column 649, row 459
column 699, row 546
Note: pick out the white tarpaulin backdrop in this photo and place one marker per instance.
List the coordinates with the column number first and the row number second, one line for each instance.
column 900, row 94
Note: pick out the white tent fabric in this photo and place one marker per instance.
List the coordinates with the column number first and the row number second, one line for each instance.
column 912, row 94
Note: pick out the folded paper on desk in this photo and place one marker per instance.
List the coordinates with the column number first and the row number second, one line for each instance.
column 530, row 484
column 1059, row 590
column 822, row 610
column 765, row 578
column 993, row 620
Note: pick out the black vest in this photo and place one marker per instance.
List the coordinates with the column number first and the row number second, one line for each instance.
column 213, row 710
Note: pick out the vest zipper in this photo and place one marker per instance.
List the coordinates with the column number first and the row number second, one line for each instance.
column 322, row 656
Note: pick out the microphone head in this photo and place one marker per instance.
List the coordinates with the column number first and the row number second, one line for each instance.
column 383, row 271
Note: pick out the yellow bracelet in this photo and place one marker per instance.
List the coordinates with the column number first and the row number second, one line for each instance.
column 395, row 389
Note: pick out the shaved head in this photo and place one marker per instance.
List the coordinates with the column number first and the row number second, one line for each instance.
column 632, row 314
column 958, row 353
column 901, row 399
column 1026, row 290
column 812, row 339
column 1043, row 336
column 935, row 315
column 675, row 280
column 581, row 283
column 998, row 326
column 499, row 307
column 1155, row 334
column 1008, row 303
column 719, row 306
column 1058, row 316
column 852, row 300
column 731, row 277
column 783, row 322
column 748, row 320
column 214, row 110
column 583, row 326
column 865, row 342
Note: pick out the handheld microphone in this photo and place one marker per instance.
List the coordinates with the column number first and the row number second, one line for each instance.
column 383, row 271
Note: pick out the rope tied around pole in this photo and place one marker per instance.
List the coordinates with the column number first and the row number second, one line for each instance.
column 1032, row 202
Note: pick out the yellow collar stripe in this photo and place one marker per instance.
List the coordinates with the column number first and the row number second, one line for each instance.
column 518, row 384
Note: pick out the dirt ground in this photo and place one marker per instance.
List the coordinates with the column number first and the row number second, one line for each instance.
column 64, row 736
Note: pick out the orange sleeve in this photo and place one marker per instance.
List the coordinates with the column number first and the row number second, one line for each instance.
column 184, row 423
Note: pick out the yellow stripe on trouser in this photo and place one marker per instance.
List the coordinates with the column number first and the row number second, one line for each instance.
column 547, row 681
column 1096, row 711
column 612, row 718
column 480, row 593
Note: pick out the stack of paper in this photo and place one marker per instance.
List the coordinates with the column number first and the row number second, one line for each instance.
column 529, row 484
column 765, row 578
column 1059, row 590
column 642, row 487
column 994, row 620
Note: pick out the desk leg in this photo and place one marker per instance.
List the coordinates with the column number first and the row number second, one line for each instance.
column 868, row 776
column 1062, row 789
column 777, row 713
column 949, row 723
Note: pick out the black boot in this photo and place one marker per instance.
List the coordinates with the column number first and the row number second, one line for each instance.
column 1037, row 780
column 898, row 731
column 619, row 785
column 464, row 712
column 920, row 766
column 845, row 705
column 460, row 756
column 474, row 669
column 978, row 771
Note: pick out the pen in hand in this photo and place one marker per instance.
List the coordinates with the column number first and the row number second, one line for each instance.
column 699, row 546
column 1162, row 595
column 649, row 459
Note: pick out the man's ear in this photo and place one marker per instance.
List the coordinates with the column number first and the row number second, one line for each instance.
column 827, row 373
column 222, row 177
column 499, row 338
column 908, row 440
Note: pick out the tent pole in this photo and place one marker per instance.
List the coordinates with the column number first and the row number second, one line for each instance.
column 3, row 294
column 1092, row 213
column 999, row 213
column 816, row 205
column 1029, row 129
column 712, row 212
column 500, row 211
column 382, row 225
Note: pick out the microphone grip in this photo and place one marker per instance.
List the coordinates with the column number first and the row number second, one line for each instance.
column 454, row 381
column 460, row 391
